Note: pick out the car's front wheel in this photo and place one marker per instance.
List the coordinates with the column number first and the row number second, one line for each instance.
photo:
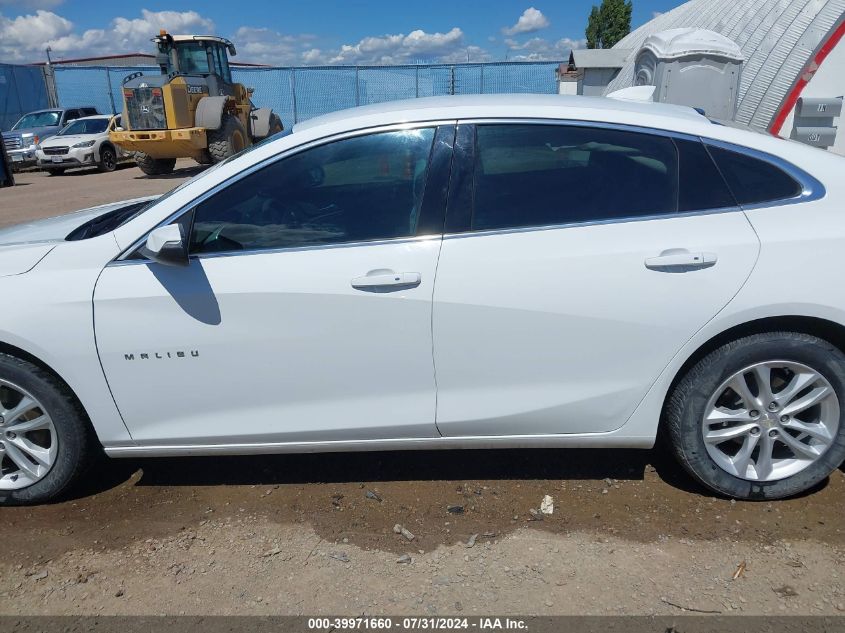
column 45, row 439
column 108, row 159
column 762, row 416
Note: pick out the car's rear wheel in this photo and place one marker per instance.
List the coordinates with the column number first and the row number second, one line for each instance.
column 762, row 416
column 45, row 438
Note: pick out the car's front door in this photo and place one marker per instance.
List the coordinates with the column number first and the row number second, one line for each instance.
column 305, row 311
column 577, row 261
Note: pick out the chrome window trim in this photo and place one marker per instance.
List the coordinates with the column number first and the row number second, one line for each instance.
column 610, row 125
column 811, row 188
column 291, row 249
column 587, row 223
column 394, row 127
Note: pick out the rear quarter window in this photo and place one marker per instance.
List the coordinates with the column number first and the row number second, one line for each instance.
column 753, row 180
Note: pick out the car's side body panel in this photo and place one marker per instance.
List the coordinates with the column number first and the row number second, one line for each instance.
column 51, row 317
column 563, row 330
column 798, row 273
column 271, row 347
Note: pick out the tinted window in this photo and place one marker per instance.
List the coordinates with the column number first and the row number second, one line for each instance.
column 534, row 175
column 364, row 188
column 752, row 180
column 701, row 186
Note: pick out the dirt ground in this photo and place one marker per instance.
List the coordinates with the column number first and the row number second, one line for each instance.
column 38, row 195
column 314, row 534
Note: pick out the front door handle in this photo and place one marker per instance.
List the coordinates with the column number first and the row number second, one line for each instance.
column 386, row 280
column 680, row 260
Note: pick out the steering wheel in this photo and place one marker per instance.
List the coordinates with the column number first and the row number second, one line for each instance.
column 219, row 242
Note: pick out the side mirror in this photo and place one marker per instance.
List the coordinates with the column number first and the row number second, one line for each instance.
column 167, row 245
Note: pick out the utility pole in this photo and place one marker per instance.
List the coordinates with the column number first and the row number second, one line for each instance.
column 50, row 81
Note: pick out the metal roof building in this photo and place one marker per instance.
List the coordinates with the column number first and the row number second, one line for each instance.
column 783, row 42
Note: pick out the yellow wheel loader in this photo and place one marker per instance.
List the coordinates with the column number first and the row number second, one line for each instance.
column 192, row 109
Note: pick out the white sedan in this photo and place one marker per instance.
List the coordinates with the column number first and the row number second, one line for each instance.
column 81, row 143
column 468, row 272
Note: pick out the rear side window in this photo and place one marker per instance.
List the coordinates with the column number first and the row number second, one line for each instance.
column 701, row 186
column 753, row 180
column 535, row 175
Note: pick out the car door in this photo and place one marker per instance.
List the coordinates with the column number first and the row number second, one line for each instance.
column 305, row 311
column 577, row 261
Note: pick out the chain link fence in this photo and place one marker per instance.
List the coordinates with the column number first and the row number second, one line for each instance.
column 297, row 94
column 22, row 90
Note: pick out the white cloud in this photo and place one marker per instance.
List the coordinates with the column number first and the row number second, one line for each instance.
column 138, row 31
column 25, row 37
column 262, row 45
column 530, row 21
column 400, row 48
column 540, row 49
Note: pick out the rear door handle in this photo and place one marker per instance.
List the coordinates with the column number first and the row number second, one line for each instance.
column 386, row 280
column 680, row 259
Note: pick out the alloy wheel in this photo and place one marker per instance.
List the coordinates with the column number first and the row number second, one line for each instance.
column 28, row 441
column 770, row 420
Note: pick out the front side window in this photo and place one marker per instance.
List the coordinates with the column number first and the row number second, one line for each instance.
column 358, row 189
column 535, row 175
column 222, row 63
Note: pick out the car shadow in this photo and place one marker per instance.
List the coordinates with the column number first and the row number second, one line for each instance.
column 183, row 172
column 386, row 466
column 400, row 466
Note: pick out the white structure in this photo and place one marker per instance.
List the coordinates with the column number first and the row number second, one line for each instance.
column 693, row 67
column 791, row 49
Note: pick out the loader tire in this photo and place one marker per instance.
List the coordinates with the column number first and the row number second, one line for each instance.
column 227, row 141
column 155, row 166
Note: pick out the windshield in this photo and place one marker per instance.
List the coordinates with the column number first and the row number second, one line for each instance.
column 192, row 58
column 85, row 126
column 38, row 119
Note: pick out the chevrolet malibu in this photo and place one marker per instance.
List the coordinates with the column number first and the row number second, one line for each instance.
column 496, row 271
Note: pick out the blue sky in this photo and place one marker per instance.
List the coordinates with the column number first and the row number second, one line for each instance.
column 310, row 32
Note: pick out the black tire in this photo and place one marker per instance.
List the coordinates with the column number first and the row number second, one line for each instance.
column 108, row 159
column 685, row 409
column 227, row 141
column 77, row 444
column 155, row 166
column 56, row 172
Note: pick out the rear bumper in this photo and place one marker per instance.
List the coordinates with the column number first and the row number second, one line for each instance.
column 189, row 141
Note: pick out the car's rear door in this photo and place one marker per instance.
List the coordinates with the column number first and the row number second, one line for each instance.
column 305, row 311
column 576, row 262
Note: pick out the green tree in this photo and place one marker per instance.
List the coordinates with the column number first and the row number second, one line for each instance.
column 608, row 23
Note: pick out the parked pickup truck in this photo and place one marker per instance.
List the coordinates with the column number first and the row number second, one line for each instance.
column 34, row 127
